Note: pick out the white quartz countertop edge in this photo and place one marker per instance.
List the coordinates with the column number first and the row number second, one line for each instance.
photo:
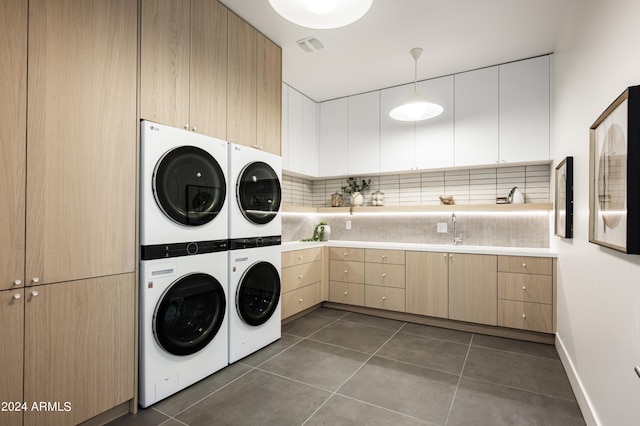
column 448, row 248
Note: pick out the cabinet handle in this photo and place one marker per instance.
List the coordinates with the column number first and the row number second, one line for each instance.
column 193, row 129
column 300, row 257
column 524, row 287
column 346, row 292
column 299, row 300
column 17, row 296
column 384, row 298
column 524, row 316
column 345, row 271
column 35, row 280
column 444, row 255
column 384, row 275
column 299, row 277
column 524, row 265
column 345, row 254
column 186, row 126
column 384, row 256
column 17, row 282
column 34, row 293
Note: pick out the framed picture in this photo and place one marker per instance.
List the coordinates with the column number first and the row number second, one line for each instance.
column 564, row 198
column 614, row 175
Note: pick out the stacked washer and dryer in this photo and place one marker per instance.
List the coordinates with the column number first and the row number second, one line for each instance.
column 210, row 235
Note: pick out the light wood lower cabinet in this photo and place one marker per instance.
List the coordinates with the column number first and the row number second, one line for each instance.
column 300, row 299
column 384, row 279
column 427, row 283
column 301, row 280
column 11, row 353
column 525, row 315
column 347, row 293
column 473, row 288
column 389, row 298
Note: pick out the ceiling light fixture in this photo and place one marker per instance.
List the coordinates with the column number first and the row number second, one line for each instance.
column 416, row 107
column 321, row 14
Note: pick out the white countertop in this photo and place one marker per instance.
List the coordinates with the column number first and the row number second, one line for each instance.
column 449, row 248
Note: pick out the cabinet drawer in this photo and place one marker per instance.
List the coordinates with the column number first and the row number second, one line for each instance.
column 525, row 287
column 346, row 253
column 384, row 256
column 300, row 299
column 384, row 275
column 525, row 264
column 352, row 272
column 349, row 293
column 297, row 257
column 300, row 275
column 525, row 315
column 389, row 298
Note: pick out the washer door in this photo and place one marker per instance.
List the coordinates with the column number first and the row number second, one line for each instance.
column 258, row 293
column 258, row 193
column 189, row 314
column 189, row 186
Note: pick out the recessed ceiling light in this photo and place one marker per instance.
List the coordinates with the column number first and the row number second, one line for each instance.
column 321, row 14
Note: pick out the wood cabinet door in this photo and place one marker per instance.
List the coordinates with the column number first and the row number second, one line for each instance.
column 79, row 347
column 427, row 283
column 241, row 82
column 81, row 135
column 164, row 61
column 208, row 69
column 11, row 352
column 473, row 288
column 13, row 139
column 269, row 96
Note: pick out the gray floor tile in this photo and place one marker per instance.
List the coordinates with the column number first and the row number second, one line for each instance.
column 341, row 411
column 306, row 325
column 416, row 391
column 519, row 346
column 257, row 398
column 423, row 351
column 264, row 354
column 532, row 373
column 317, row 364
column 194, row 393
column 437, row 333
column 385, row 323
column 484, row 404
column 330, row 313
column 353, row 335
column 144, row 417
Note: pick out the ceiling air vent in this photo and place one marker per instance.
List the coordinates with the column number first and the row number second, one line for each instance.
column 310, row 44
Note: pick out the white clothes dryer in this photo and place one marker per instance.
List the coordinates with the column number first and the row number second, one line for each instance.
column 254, row 296
column 183, row 323
column 183, row 187
column 255, row 193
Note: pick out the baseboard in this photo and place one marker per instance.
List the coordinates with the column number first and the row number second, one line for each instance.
column 582, row 397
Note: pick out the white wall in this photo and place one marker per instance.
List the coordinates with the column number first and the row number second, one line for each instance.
column 598, row 289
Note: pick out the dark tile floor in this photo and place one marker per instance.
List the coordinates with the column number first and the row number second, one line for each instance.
column 337, row 368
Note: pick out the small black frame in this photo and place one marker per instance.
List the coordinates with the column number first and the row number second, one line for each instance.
column 564, row 199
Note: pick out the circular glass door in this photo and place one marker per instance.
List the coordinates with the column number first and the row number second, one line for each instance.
column 189, row 186
column 258, row 293
column 189, row 314
column 258, row 193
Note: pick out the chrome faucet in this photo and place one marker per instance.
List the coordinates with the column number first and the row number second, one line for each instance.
column 457, row 238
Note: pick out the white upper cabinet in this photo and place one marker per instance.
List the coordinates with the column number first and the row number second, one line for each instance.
column 434, row 137
column 476, row 117
column 524, row 110
column 396, row 137
column 301, row 154
column 334, row 137
column 364, row 133
column 310, row 139
column 285, row 127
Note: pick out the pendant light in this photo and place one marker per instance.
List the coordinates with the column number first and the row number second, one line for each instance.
column 321, row 14
column 416, row 107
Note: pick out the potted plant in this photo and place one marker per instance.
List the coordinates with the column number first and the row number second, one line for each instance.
column 355, row 188
column 321, row 232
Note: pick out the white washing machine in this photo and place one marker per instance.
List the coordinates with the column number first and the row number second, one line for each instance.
column 255, row 193
column 183, row 322
column 254, row 296
column 183, row 188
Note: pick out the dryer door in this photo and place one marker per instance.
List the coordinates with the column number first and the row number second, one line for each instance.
column 258, row 193
column 258, row 293
column 189, row 314
column 189, row 186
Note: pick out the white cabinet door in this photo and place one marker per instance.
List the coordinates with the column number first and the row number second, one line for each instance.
column 334, row 137
column 310, row 137
column 434, row 137
column 476, row 117
column 524, row 110
column 285, row 127
column 396, row 137
column 295, row 148
column 364, row 133
column 302, row 135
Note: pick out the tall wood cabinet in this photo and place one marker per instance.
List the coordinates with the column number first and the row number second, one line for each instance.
column 184, row 65
column 11, row 352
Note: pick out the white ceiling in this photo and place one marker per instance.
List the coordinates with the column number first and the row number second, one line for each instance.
column 373, row 53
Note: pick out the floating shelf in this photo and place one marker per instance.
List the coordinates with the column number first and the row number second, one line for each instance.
column 418, row 209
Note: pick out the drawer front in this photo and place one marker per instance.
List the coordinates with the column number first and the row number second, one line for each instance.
column 525, row 287
column 384, row 275
column 348, row 293
column 352, row 272
column 297, row 257
column 298, row 276
column 346, row 253
column 300, row 299
column 525, row 316
column 384, row 256
column 525, row 265
column 389, row 298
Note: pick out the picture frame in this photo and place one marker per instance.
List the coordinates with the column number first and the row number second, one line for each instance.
column 564, row 199
column 614, row 175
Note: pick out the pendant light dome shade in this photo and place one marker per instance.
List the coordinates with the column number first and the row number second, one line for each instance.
column 416, row 107
column 321, row 14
